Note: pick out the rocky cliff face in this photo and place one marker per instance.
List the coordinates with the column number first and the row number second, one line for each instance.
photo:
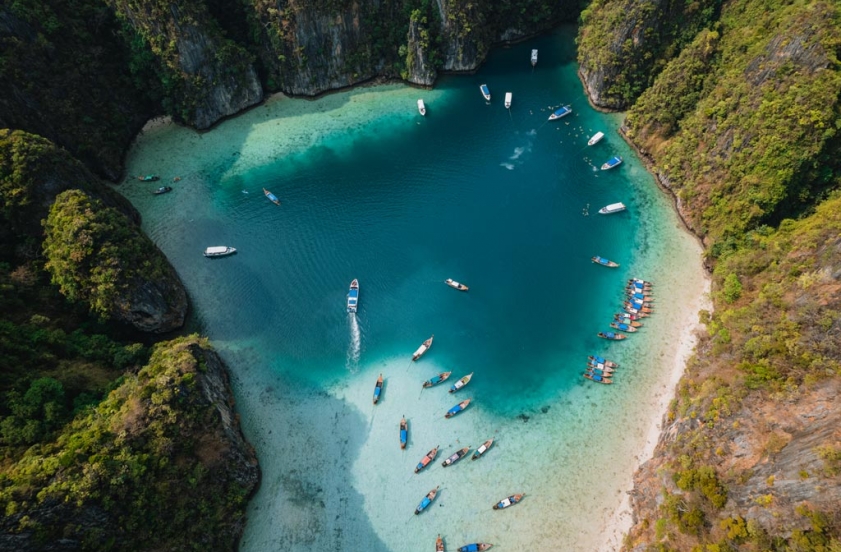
column 210, row 77
column 132, row 474
column 419, row 67
column 624, row 44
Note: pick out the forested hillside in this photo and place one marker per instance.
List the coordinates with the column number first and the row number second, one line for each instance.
column 741, row 123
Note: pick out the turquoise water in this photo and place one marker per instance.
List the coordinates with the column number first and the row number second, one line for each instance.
column 503, row 201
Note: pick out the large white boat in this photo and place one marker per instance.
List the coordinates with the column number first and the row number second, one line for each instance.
column 486, row 92
column 508, row 96
column 561, row 112
column 353, row 296
column 612, row 208
column 421, row 107
column 533, row 58
column 219, row 251
column 597, row 137
column 423, row 348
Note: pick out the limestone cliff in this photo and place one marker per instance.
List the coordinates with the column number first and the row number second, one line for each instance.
column 741, row 125
column 160, row 464
column 209, row 77
column 623, row 45
column 420, row 68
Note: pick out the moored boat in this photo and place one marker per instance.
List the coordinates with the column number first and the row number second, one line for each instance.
column 604, row 262
column 423, row 348
column 612, row 208
column 640, row 281
column 457, row 408
column 627, row 316
column 219, row 251
column 614, row 161
column 378, row 389
column 439, row 544
column 509, row 501
column 621, row 326
column 486, row 92
column 453, row 284
column 601, row 360
column 595, row 139
column 560, row 112
column 638, row 307
column 353, row 296
column 430, row 456
column 436, row 380
column 271, row 197
column 421, row 107
column 149, row 178
column 533, row 57
column 624, row 319
column 461, row 383
column 636, row 312
column 644, row 297
column 597, row 378
column 427, row 500
column 455, row 457
column 475, row 547
column 601, row 369
column 612, row 336
column 508, row 97
column 162, row 190
column 483, row 449
column 404, row 432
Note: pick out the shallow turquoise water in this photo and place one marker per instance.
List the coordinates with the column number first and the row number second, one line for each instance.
column 498, row 200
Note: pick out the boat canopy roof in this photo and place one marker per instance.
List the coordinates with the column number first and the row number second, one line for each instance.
column 216, row 249
column 614, row 206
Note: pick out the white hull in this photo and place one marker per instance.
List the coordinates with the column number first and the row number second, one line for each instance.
column 612, row 208
column 508, row 97
column 219, row 251
column 597, row 137
column 421, row 107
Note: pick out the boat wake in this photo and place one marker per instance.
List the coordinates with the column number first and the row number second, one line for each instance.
column 514, row 158
column 355, row 348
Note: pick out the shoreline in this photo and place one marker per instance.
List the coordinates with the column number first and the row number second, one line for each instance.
column 622, row 519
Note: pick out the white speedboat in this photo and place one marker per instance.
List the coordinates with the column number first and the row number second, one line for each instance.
column 533, row 58
column 486, row 92
column 453, row 284
column 219, row 251
column 353, row 296
column 508, row 96
column 612, row 162
column 421, row 107
column 562, row 112
column 597, row 137
column 612, row 208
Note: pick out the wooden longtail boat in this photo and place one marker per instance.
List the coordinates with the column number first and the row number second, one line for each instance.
column 439, row 544
column 600, row 360
column 604, row 262
column 430, row 456
column 404, row 432
column 475, row 547
column 461, row 383
column 427, row 500
column 612, row 336
column 509, row 501
column 483, row 449
column 622, row 327
column 436, row 380
column 423, row 348
column 378, row 389
column 453, row 284
column 596, row 378
column 457, row 408
column 455, row 457
column 271, row 197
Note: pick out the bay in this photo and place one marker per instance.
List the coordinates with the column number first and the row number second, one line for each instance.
column 502, row 200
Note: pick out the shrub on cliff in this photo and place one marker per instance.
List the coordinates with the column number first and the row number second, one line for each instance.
column 96, row 256
column 155, row 466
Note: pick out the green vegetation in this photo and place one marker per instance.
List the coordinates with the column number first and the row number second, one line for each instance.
column 156, row 441
column 96, row 255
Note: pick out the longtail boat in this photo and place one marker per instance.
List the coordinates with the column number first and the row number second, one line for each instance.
column 600, row 369
column 423, row 348
column 404, row 432
column 475, row 547
column 637, row 312
column 378, row 389
column 622, row 327
column 439, row 544
column 639, row 281
column 427, row 500
column 149, row 178
column 436, row 380
column 457, row 408
column 430, row 456
column 601, row 360
column 455, row 457
column 604, row 262
column 625, row 318
column 638, row 307
column 461, row 383
column 509, row 501
column 648, row 298
column 483, row 449
column 271, row 197
column 613, row 336
column 597, row 378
